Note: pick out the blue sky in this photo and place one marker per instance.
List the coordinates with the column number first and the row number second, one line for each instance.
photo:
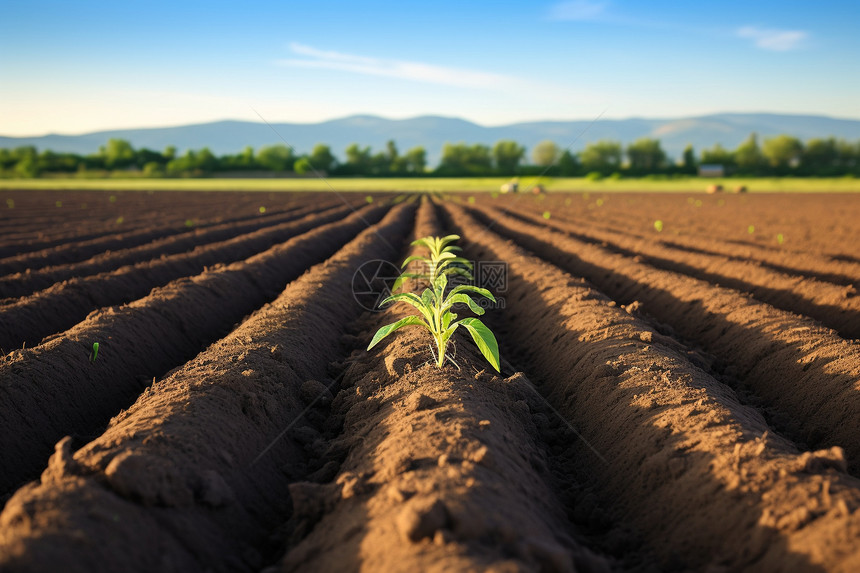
column 78, row 67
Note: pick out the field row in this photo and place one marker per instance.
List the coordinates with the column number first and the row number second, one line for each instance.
column 662, row 403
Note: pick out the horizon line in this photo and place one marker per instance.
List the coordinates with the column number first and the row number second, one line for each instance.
column 436, row 116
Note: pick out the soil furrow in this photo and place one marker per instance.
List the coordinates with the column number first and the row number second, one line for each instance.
column 30, row 319
column 46, row 225
column 814, row 266
column 445, row 472
column 833, row 305
column 444, row 466
column 696, row 474
column 21, row 284
column 72, row 250
column 801, row 368
column 173, row 485
column 52, row 390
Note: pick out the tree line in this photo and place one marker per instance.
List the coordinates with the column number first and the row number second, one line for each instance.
column 776, row 156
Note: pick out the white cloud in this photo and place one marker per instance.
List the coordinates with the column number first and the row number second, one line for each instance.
column 773, row 40
column 578, row 10
column 414, row 71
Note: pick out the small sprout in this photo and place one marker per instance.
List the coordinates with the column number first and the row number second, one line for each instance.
column 599, row 202
column 83, row 206
column 112, row 198
column 698, row 203
column 59, row 203
column 95, row 353
column 434, row 305
column 120, row 220
column 567, row 202
column 780, row 239
column 10, row 203
column 721, row 202
column 546, row 215
column 369, row 199
column 442, row 260
column 189, row 223
column 471, row 200
column 751, row 229
column 494, row 194
column 658, row 226
column 262, row 209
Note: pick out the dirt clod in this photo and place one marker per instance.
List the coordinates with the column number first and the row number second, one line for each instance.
column 61, row 464
column 316, row 393
column 150, row 479
column 418, row 401
column 422, row 518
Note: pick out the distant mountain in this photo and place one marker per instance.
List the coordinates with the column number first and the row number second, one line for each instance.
column 727, row 129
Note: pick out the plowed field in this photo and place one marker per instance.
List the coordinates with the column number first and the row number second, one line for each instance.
column 680, row 385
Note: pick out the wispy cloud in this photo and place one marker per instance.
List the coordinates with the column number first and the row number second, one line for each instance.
column 405, row 70
column 774, row 40
column 578, row 10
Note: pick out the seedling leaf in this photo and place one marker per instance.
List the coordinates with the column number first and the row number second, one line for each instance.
column 388, row 329
column 484, row 339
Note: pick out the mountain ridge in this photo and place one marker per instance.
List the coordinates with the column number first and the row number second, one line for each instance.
column 432, row 131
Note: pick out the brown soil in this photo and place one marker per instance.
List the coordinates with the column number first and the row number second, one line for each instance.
column 668, row 401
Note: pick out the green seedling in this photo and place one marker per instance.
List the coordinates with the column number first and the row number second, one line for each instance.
column 262, row 210
column 546, row 215
column 751, row 229
column 658, row 225
column 434, row 308
column 442, row 259
column 434, row 305
column 95, row 353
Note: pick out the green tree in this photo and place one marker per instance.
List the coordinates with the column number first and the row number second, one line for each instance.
column 358, row 159
column 118, row 153
column 749, row 157
column 646, row 155
column 688, row 160
column 603, row 156
column 462, row 159
column 568, row 165
column 848, row 155
column 545, row 153
column 507, row 155
column 205, row 161
column 415, row 160
column 820, row 156
column 717, row 155
column 322, row 158
column 303, row 166
column 783, row 151
column 277, row 157
column 27, row 167
column 391, row 152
